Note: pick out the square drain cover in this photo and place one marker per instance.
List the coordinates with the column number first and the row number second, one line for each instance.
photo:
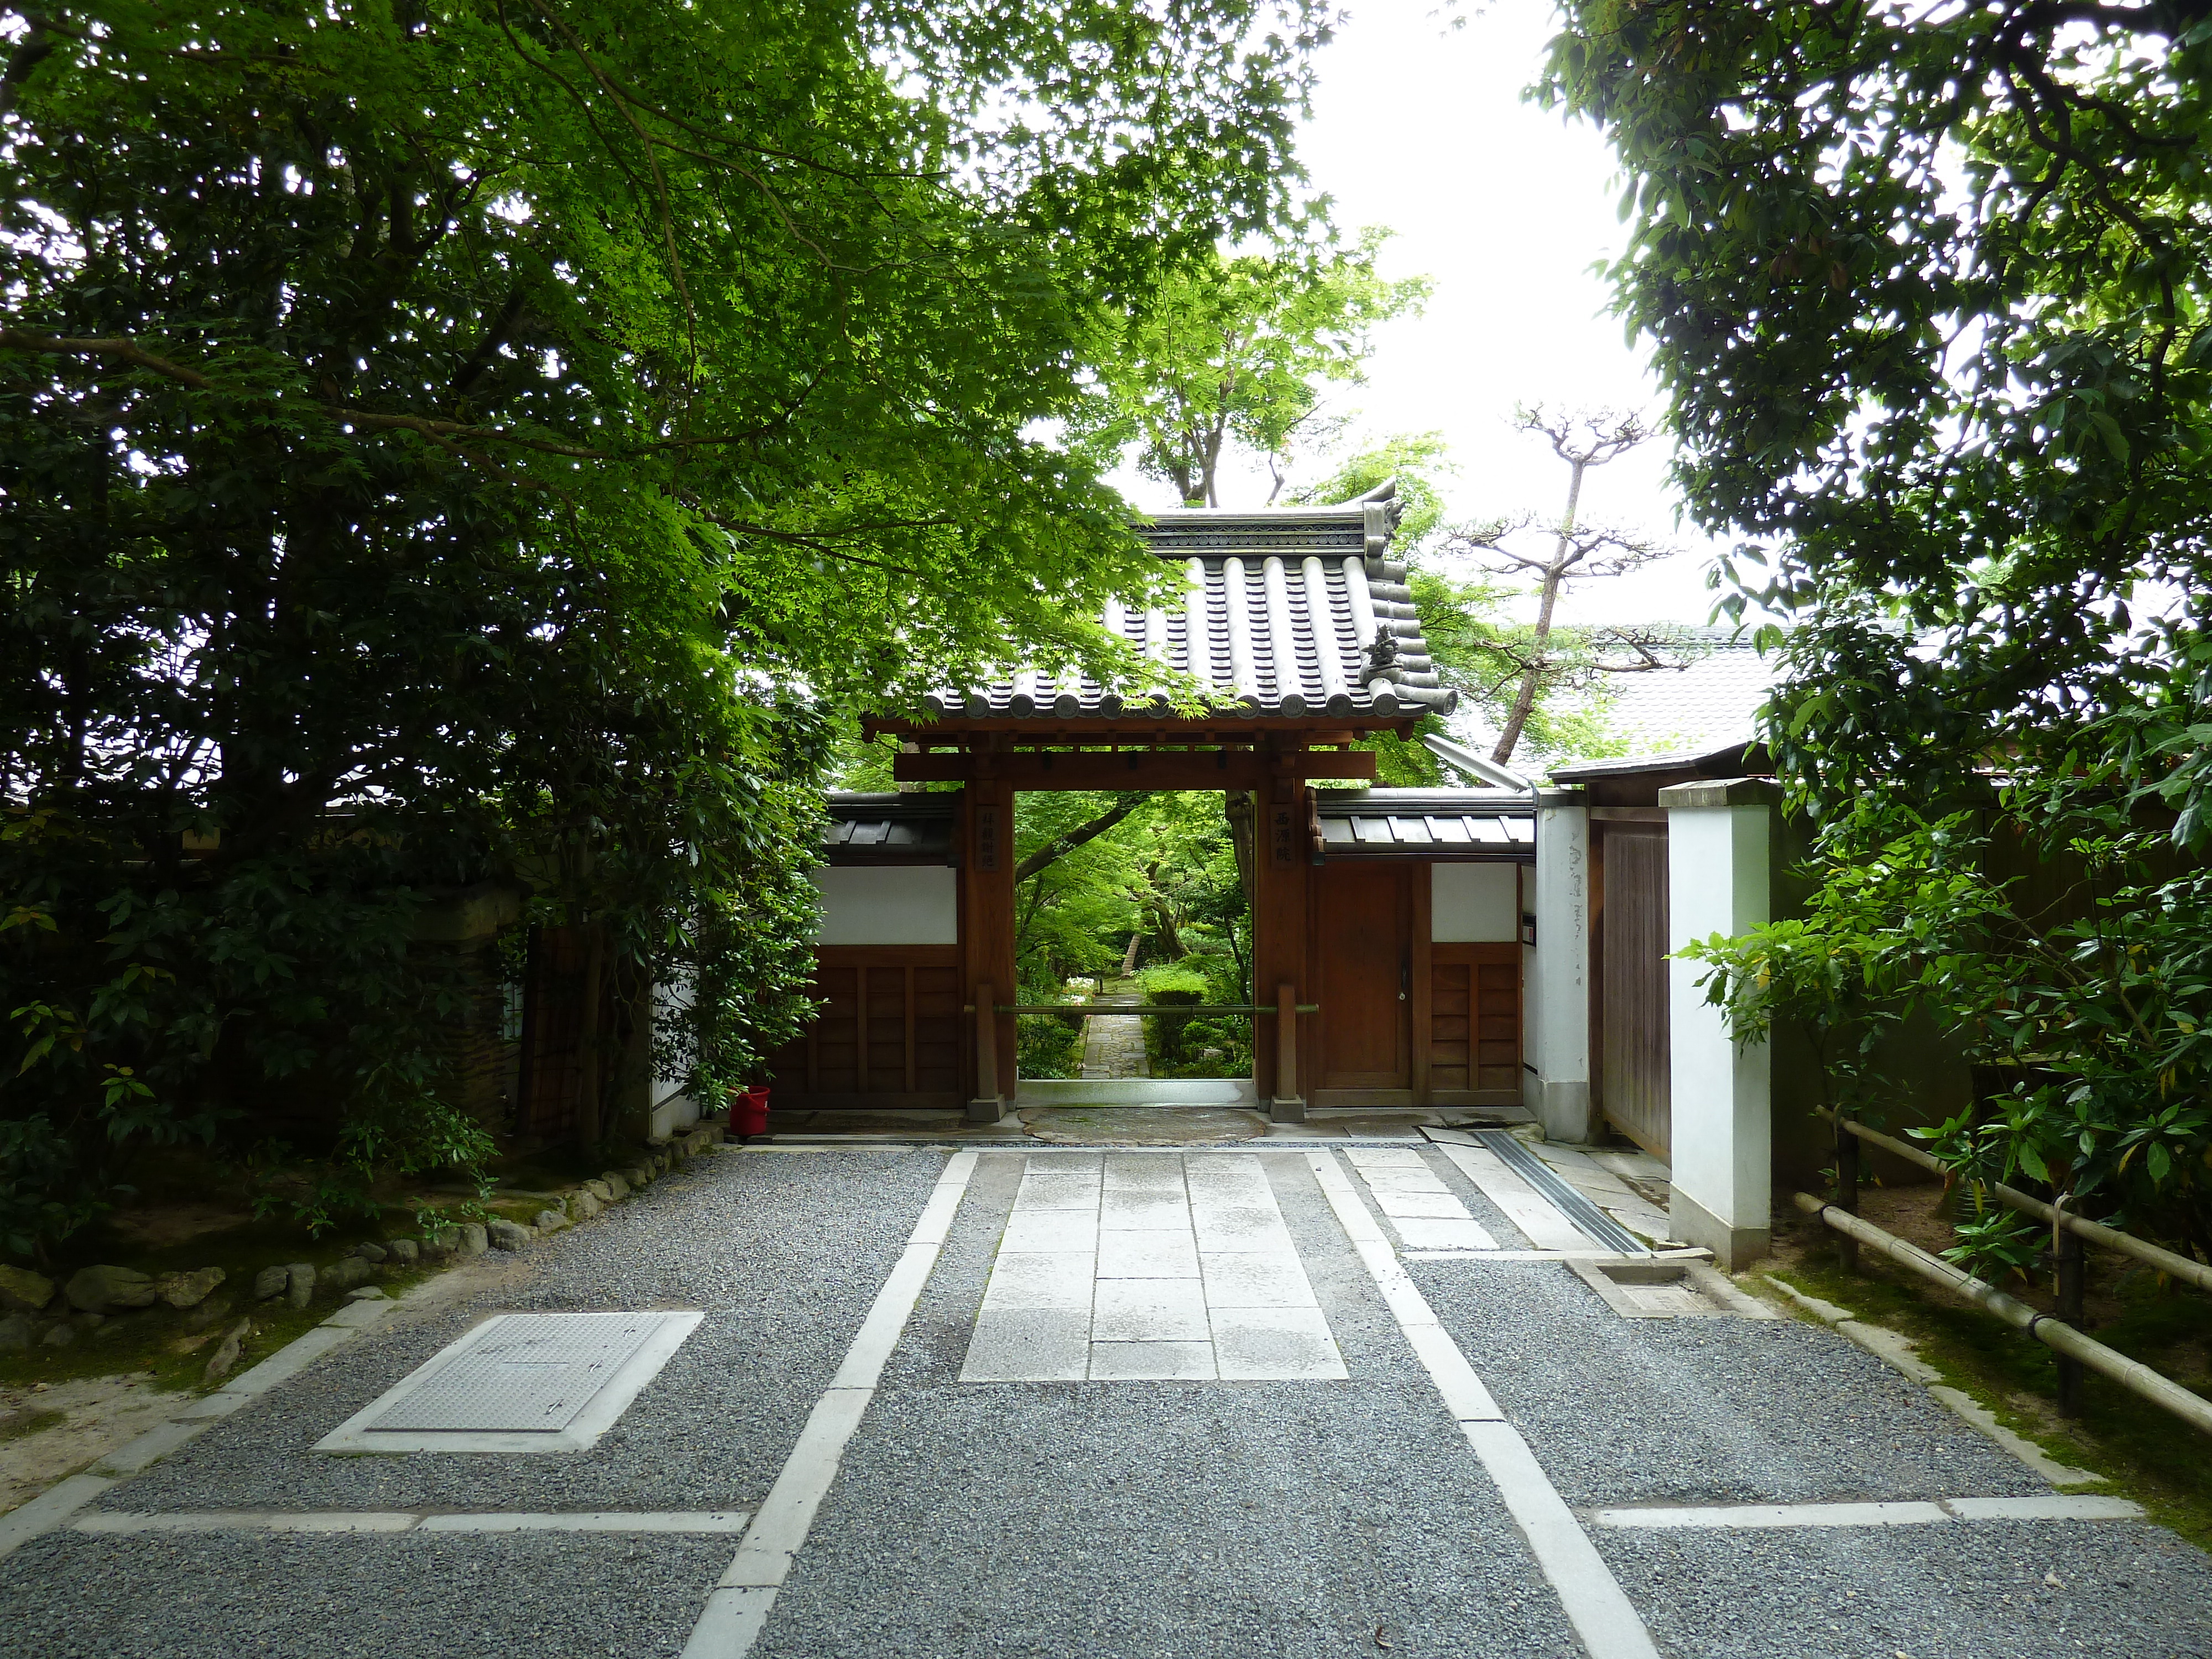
column 520, row 1382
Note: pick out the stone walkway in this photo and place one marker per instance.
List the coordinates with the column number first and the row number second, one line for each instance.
column 1114, row 1044
column 914, row 1420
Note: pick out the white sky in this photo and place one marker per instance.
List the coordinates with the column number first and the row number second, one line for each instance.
column 1422, row 128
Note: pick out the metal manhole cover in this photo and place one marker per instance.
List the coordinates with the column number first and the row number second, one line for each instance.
column 520, row 1382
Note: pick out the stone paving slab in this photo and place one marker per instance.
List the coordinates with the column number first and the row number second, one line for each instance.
column 1186, row 1269
column 1197, row 1519
column 1216, row 1498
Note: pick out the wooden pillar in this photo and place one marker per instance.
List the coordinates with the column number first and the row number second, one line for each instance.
column 987, row 941
column 1281, row 867
column 1421, row 1011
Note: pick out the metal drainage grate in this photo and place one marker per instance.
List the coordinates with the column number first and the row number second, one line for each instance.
column 1588, row 1218
column 520, row 1382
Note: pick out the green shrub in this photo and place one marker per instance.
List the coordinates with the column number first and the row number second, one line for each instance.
column 1173, row 1043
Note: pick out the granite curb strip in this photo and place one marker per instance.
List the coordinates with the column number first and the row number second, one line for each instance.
column 1911, row 1513
column 56, row 1507
column 1607, row 1621
column 334, row 1522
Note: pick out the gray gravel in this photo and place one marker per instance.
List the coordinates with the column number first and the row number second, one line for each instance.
column 412, row 1596
column 1719, row 1410
column 1150, row 1520
column 783, row 1251
column 1972, row 1591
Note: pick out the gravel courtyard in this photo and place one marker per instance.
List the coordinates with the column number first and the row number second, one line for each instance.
column 1125, row 1404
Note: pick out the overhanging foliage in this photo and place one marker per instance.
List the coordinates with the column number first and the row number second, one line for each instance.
column 1929, row 291
column 452, row 442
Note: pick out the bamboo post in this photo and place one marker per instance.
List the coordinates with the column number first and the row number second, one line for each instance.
column 2176, row 1266
column 2066, row 1250
column 1847, row 1193
column 2132, row 1375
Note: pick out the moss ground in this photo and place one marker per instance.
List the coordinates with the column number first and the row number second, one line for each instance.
column 17, row 1425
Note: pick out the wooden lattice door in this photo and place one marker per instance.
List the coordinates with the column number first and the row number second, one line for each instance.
column 1474, row 1024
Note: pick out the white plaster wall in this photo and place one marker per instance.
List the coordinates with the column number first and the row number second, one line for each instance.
column 677, row 1113
column 888, row 904
column 1717, row 883
column 673, row 1108
column 1474, row 903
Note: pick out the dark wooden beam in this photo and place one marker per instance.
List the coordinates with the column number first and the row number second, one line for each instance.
column 1132, row 769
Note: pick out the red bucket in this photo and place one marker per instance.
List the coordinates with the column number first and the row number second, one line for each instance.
column 749, row 1113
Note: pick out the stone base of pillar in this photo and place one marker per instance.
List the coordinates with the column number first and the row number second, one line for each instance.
column 1291, row 1109
column 1734, row 1249
column 1565, row 1110
column 988, row 1109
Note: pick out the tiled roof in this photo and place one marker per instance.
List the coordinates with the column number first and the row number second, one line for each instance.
column 1728, row 760
column 1709, row 703
column 896, row 829
column 1287, row 612
column 1437, row 820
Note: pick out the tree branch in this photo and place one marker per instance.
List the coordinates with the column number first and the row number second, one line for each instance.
column 1053, row 850
column 129, row 351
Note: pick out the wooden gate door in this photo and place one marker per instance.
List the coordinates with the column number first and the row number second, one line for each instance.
column 1362, row 939
column 1634, row 1087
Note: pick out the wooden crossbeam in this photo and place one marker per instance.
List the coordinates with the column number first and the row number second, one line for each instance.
column 1135, row 769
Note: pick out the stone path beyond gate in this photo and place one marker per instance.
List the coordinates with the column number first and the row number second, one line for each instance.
column 1114, row 1044
column 1487, row 1458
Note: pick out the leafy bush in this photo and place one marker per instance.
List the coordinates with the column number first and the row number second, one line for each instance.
column 1050, row 1045
column 1177, row 1044
column 1173, row 981
column 2073, row 962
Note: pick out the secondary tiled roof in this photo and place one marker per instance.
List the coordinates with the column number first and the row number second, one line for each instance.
column 1709, row 703
column 1479, row 821
column 896, row 829
column 1728, row 760
column 1286, row 612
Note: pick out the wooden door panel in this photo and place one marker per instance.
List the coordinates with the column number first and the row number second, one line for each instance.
column 1474, row 1021
column 887, row 1017
column 936, row 1029
column 1361, row 939
column 1451, row 1023
column 887, row 1031
column 1634, row 1057
column 837, row 1068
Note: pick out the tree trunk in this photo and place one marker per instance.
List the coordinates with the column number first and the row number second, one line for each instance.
column 589, row 1132
column 1555, row 573
column 1053, row 850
